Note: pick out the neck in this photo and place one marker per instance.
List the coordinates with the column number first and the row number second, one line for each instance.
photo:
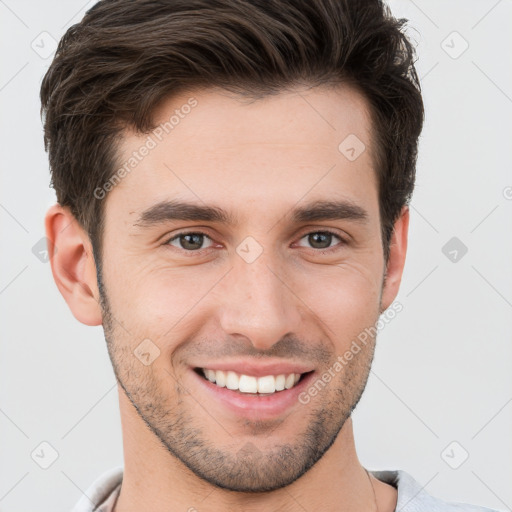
column 153, row 479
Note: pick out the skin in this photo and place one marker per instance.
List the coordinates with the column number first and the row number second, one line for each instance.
column 258, row 160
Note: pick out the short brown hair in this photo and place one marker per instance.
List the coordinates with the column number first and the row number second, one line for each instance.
column 113, row 68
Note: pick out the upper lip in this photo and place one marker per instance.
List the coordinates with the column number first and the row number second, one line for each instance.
column 257, row 369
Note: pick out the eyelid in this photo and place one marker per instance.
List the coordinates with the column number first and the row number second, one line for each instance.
column 191, row 232
column 330, row 231
column 324, row 231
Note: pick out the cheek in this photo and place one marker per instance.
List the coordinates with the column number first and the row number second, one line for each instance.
column 345, row 298
column 157, row 298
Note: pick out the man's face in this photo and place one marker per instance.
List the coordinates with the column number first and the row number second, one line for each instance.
column 265, row 287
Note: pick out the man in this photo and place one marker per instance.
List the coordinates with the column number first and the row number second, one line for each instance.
column 203, row 154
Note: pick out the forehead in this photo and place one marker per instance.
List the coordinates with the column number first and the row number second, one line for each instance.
column 213, row 147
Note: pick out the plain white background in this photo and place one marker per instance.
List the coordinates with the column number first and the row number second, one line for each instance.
column 440, row 389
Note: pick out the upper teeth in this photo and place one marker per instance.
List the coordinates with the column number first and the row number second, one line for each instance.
column 250, row 384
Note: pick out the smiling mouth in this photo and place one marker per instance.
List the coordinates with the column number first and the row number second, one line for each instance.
column 250, row 385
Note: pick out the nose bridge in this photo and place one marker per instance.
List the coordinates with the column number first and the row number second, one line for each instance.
column 257, row 304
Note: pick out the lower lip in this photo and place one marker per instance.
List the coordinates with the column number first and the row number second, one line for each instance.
column 255, row 407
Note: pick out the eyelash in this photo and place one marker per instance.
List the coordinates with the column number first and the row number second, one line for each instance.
column 200, row 251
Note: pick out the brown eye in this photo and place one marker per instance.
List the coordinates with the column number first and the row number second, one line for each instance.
column 322, row 240
column 319, row 240
column 191, row 241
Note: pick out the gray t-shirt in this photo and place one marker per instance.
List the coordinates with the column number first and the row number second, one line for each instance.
column 101, row 496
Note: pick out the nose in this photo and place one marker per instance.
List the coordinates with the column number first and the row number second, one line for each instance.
column 257, row 302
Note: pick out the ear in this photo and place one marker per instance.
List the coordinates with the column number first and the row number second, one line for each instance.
column 396, row 261
column 73, row 266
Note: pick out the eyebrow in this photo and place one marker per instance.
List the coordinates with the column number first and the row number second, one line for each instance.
column 165, row 211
